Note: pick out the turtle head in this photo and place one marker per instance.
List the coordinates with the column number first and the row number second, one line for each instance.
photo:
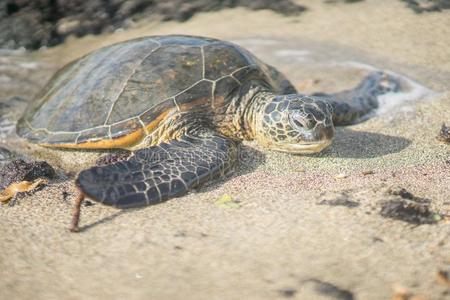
column 295, row 124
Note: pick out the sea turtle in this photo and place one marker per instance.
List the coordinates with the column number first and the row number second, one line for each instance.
column 182, row 104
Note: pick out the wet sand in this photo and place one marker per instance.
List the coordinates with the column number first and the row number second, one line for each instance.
column 281, row 235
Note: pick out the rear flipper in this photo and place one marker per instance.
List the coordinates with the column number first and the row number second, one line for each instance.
column 351, row 106
column 161, row 172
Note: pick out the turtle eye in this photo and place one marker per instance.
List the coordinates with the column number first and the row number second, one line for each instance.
column 302, row 120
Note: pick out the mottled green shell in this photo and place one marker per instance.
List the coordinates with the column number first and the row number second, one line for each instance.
column 122, row 88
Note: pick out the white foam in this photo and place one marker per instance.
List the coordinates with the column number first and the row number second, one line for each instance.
column 413, row 91
column 389, row 101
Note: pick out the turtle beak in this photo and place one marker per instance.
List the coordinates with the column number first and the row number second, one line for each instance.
column 304, row 148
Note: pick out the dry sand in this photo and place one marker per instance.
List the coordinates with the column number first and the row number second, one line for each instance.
column 277, row 239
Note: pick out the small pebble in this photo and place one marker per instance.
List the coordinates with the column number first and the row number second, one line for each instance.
column 88, row 203
column 370, row 172
column 287, row 292
column 341, row 176
column 443, row 277
column 65, row 194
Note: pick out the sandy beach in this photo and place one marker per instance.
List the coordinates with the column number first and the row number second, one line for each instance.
column 282, row 226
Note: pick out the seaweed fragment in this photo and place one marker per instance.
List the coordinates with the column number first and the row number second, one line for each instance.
column 409, row 208
column 329, row 289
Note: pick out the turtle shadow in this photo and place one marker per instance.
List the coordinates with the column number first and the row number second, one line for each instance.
column 249, row 159
column 362, row 145
column 103, row 220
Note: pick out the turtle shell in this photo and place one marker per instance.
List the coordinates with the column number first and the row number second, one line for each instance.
column 115, row 96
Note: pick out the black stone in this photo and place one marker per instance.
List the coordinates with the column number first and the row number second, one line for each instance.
column 20, row 170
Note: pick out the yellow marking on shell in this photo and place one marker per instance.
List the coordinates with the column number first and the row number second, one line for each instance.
column 19, row 187
column 163, row 116
column 197, row 102
column 123, row 142
column 219, row 101
column 166, row 136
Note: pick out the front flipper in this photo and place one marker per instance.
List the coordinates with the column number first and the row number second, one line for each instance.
column 351, row 105
column 160, row 172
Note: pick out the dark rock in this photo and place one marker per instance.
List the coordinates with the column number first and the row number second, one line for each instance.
column 18, row 170
column 444, row 134
column 408, row 211
column 420, row 6
column 409, row 208
column 403, row 193
column 33, row 24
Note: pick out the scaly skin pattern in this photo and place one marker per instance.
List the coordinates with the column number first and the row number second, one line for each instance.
column 160, row 172
column 292, row 123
